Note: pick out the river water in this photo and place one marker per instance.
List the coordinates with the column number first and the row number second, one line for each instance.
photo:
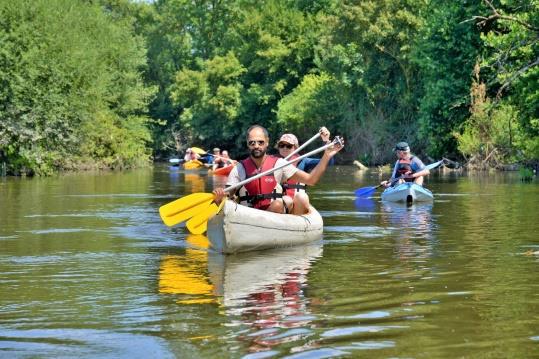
column 87, row 269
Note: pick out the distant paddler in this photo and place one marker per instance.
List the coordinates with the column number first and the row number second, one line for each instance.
column 408, row 168
column 221, row 159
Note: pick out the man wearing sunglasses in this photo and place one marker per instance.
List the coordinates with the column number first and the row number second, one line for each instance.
column 296, row 199
column 408, row 168
column 266, row 193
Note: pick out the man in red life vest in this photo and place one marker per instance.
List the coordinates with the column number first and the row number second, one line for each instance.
column 265, row 193
column 408, row 168
column 296, row 199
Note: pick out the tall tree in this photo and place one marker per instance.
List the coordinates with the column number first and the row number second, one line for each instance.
column 69, row 97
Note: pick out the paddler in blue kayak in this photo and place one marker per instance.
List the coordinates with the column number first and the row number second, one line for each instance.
column 266, row 193
column 408, row 168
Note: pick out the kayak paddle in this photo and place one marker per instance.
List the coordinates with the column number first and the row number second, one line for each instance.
column 367, row 191
column 303, row 145
column 197, row 208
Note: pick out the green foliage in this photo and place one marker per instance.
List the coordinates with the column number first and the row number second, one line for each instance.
column 446, row 53
column 512, row 59
column 56, row 84
column 377, row 71
column 309, row 105
column 210, row 96
column 366, row 47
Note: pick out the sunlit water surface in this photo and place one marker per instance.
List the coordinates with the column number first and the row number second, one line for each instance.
column 87, row 269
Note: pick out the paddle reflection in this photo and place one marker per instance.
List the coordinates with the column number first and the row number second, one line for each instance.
column 186, row 274
column 194, row 183
column 265, row 292
column 365, row 205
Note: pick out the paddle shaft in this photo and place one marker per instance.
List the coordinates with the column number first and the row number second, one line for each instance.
column 429, row 167
column 303, row 146
column 337, row 140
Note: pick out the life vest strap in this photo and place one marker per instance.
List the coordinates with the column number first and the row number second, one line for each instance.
column 293, row 185
column 261, row 196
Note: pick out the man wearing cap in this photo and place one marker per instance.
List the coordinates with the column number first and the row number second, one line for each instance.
column 215, row 158
column 265, row 193
column 408, row 168
column 296, row 199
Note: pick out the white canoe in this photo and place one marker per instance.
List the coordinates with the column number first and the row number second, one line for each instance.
column 408, row 192
column 238, row 228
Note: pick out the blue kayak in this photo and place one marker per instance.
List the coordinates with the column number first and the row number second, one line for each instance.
column 408, row 192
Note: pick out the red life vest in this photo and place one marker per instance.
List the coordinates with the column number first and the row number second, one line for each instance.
column 291, row 187
column 261, row 191
column 404, row 166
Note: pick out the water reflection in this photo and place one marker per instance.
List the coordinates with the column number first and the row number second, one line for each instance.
column 413, row 227
column 194, row 182
column 365, row 204
column 262, row 293
column 185, row 274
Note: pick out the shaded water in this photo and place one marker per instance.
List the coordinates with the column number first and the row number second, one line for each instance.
column 87, row 269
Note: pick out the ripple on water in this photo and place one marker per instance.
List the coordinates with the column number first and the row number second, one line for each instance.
column 319, row 353
column 360, row 231
column 56, row 343
column 350, row 331
column 369, row 345
column 356, row 214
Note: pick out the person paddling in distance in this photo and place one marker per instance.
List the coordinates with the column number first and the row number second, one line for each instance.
column 296, row 199
column 265, row 193
column 221, row 159
column 190, row 155
column 408, row 168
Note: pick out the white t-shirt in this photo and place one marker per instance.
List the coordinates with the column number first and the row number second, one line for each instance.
column 282, row 175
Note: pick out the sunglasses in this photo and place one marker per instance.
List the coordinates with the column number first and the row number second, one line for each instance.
column 253, row 143
column 285, row 145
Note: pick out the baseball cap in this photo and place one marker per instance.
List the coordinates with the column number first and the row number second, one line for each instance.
column 289, row 138
column 402, row 146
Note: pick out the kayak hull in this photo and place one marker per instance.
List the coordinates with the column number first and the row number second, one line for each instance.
column 408, row 192
column 223, row 171
column 192, row 165
column 237, row 228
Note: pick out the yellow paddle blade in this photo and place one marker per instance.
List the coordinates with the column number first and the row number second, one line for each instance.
column 171, row 213
column 198, row 150
column 186, row 214
column 199, row 223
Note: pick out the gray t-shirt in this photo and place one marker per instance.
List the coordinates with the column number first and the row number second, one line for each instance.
column 416, row 164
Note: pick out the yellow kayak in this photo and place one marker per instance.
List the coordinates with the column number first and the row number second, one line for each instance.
column 193, row 164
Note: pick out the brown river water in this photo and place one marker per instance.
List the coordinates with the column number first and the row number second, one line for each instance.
column 87, row 269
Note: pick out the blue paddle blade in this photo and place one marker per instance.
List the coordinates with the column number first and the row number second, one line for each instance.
column 365, row 191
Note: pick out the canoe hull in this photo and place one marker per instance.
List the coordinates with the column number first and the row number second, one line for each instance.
column 407, row 192
column 239, row 228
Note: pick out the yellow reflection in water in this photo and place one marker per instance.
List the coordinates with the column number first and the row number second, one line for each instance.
column 195, row 181
column 186, row 274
